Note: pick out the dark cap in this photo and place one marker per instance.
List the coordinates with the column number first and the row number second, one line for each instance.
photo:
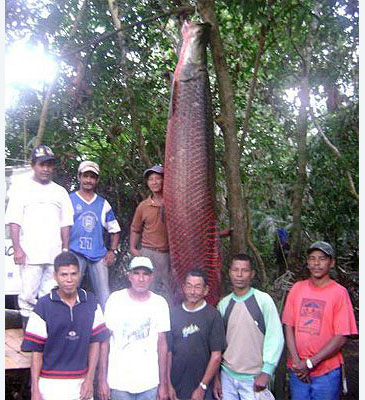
column 42, row 153
column 323, row 246
column 158, row 169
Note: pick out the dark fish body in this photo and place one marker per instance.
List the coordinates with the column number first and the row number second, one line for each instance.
column 189, row 166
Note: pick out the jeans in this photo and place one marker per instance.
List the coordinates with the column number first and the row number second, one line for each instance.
column 324, row 387
column 98, row 273
column 37, row 281
column 232, row 389
column 147, row 395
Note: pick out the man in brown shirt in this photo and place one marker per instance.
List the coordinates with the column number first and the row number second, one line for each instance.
column 149, row 229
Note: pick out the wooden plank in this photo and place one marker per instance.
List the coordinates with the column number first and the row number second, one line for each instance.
column 14, row 357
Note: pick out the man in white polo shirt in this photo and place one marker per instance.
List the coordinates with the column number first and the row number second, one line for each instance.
column 135, row 368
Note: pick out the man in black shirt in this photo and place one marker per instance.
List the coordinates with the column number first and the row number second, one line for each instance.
column 196, row 342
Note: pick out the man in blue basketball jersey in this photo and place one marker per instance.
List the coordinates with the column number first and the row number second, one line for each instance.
column 93, row 214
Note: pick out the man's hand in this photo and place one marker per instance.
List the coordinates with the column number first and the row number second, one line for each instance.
column 19, row 256
column 198, row 394
column 217, row 387
column 301, row 370
column 135, row 252
column 172, row 393
column 36, row 395
column 103, row 390
column 109, row 258
column 261, row 382
column 87, row 389
column 162, row 392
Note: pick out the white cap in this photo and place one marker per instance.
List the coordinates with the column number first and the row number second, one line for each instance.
column 89, row 166
column 138, row 262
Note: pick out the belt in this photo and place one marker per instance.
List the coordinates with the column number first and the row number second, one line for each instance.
column 154, row 249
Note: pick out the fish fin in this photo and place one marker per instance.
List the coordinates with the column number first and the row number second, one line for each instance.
column 172, row 99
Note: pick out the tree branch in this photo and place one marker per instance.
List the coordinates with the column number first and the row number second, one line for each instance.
column 253, row 85
column 106, row 35
column 336, row 152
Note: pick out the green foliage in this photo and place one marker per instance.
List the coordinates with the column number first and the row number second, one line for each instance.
column 103, row 96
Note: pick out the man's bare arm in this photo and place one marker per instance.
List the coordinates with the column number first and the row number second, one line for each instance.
column 332, row 347
column 35, row 369
column 162, row 393
column 110, row 256
column 19, row 255
column 65, row 236
column 210, row 371
column 171, row 389
column 114, row 240
column 290, row 343
column 299, row 366
column 87, row 387
column 217, row 386
column 103, row 387
column 134, row 239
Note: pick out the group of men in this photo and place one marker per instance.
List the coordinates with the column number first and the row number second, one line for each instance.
column 144, row 348
column 44, row 220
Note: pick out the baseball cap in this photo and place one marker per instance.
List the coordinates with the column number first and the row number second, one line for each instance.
column 139, row 261
column 89, row 166
column 323, row 246
column 42, row 153
column 156, row 168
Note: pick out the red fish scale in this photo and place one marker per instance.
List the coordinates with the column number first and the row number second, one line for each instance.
column 189, row 184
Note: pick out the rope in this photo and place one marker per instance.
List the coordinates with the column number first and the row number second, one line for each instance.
column 284, row 282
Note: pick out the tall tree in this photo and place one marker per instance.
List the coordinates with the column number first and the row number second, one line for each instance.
column 227, row 122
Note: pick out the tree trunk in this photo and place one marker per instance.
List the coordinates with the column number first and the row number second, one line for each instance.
column 47, row 100
column 229, row 129
column 305, row 53
column 298, row 192
column 45, row 107
column 113, row 7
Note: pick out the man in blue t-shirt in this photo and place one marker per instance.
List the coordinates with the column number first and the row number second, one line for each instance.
column 93, row 214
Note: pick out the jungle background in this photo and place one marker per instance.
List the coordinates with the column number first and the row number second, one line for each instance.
column 284, row 79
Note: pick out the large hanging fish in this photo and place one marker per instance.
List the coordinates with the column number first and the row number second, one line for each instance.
column 189, row 165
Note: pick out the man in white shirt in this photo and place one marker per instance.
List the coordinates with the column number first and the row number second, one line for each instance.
column 135, row 367
column 40, row 215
